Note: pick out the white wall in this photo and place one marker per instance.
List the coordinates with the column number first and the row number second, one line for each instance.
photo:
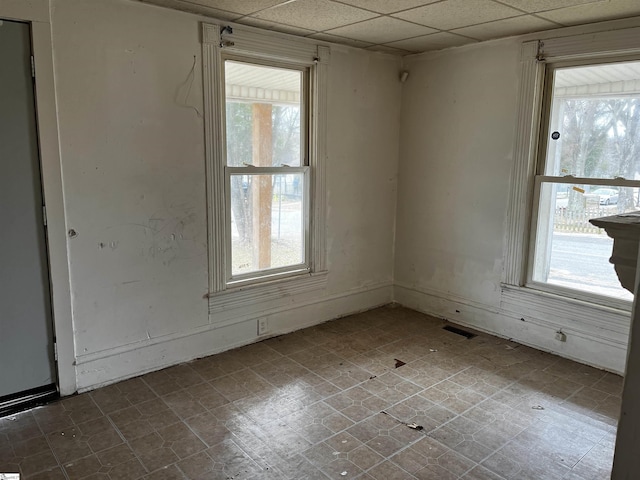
column 133, row 164
column 457, row 135
column 363, row 139
column 457, row 153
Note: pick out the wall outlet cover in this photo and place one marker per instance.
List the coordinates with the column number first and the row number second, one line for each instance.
column 263, row 326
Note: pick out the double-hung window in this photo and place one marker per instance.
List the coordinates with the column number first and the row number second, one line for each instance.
column 577, row 157
column 265, row 124
column 589, row 167
column 267, row 169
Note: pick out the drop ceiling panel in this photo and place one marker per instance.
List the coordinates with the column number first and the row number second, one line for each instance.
column 458, row 13
column 244, row 7
column 382, row 30
column 387, row 6
column 398, row 26
column 533, row 6
column 435, row 41
column 336, row 39
column 316, row 15
column 189, row 6
column 506, row 27
column 387, row 49
column 594, row 12
column 277, row 27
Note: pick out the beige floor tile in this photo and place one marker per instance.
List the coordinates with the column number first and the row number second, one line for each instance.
column 336, row 400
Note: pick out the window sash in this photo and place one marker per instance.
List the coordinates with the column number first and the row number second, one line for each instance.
column 258, row 276
column 305, row 99
column 547, row 104
column 534, row 237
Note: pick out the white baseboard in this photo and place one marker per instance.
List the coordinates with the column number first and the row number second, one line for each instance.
column 593, row 338
column 120, row 363
column 597, row 338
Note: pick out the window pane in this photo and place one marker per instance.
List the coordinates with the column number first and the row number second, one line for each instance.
column 263, row 108
column 594, row 129
column 571, row 252
column 267, row 222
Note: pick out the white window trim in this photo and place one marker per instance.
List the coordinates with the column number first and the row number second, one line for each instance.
column 533, row 56
column 246, row 41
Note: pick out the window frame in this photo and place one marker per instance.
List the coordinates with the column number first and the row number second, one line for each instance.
column 247, row 44
column 306, row 134
column 541, row 177
column 535, row 55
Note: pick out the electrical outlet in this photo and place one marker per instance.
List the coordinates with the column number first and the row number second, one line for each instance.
column 263, row 326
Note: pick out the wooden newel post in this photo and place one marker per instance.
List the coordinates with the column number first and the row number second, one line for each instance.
column 262, row 186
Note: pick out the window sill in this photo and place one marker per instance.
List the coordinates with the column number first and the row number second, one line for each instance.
column 240, row 296
column 593, row 300
column 253, row 280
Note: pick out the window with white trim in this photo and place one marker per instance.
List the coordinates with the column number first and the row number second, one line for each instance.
column 589, row 167
column 577, row 157
column 265, row 117
column 266, row 172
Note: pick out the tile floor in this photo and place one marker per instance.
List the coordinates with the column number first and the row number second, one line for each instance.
column 329, row 402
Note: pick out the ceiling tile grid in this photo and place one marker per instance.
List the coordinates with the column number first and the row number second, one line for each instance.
column 382, row 30
column 403, row 27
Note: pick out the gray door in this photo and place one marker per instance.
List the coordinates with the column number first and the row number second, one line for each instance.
column 26, row 334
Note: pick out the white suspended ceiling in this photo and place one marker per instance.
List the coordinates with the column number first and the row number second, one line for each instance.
column 408, row 26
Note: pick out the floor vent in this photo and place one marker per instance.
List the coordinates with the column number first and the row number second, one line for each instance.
column 459, row 331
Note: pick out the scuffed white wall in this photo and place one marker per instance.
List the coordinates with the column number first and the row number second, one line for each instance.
column 458, row 124
column 363, row 139
column 133, row 169
column 132, row 147
column 459, row 115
